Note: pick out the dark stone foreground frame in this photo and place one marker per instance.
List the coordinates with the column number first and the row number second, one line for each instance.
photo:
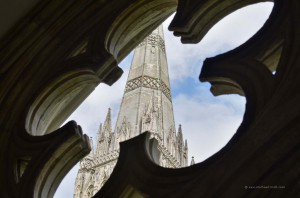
column 55, row 55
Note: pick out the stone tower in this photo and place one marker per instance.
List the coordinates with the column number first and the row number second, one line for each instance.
column 146, row 106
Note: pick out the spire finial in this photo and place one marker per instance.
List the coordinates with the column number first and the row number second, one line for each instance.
column 100, row 128
column 107, row 128
column 186, row 144
column 179, row 129
column 108, row 115
column 192, row 161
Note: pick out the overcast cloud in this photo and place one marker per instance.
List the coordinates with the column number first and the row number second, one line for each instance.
column 208, row 122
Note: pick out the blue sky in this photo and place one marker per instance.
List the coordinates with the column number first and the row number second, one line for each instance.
column 208, row 122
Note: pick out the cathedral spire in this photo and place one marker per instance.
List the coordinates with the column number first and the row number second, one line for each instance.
column 147, row 102
column 146, row 106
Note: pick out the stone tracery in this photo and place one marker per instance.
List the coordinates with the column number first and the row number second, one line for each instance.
column 33, row 51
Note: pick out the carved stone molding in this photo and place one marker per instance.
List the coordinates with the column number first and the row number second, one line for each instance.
column 100, row 160
column 37, row 164
column 42, row 46
column 153, row 40
column 52, row 58
column 149, row 82
column 262, row 158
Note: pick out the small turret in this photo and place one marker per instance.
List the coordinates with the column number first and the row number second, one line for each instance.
column 192, row 161
column 180, row 136
column 107, row 128
column 91, row 154
column 104, row 135
column 123, row 133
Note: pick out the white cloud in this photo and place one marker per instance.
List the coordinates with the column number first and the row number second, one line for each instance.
column 186, row 60
column 207, row 124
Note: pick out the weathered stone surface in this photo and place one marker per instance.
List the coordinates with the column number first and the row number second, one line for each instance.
column 262, row 158
column 53, row 54
column 146, row 106
column 58, row 38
